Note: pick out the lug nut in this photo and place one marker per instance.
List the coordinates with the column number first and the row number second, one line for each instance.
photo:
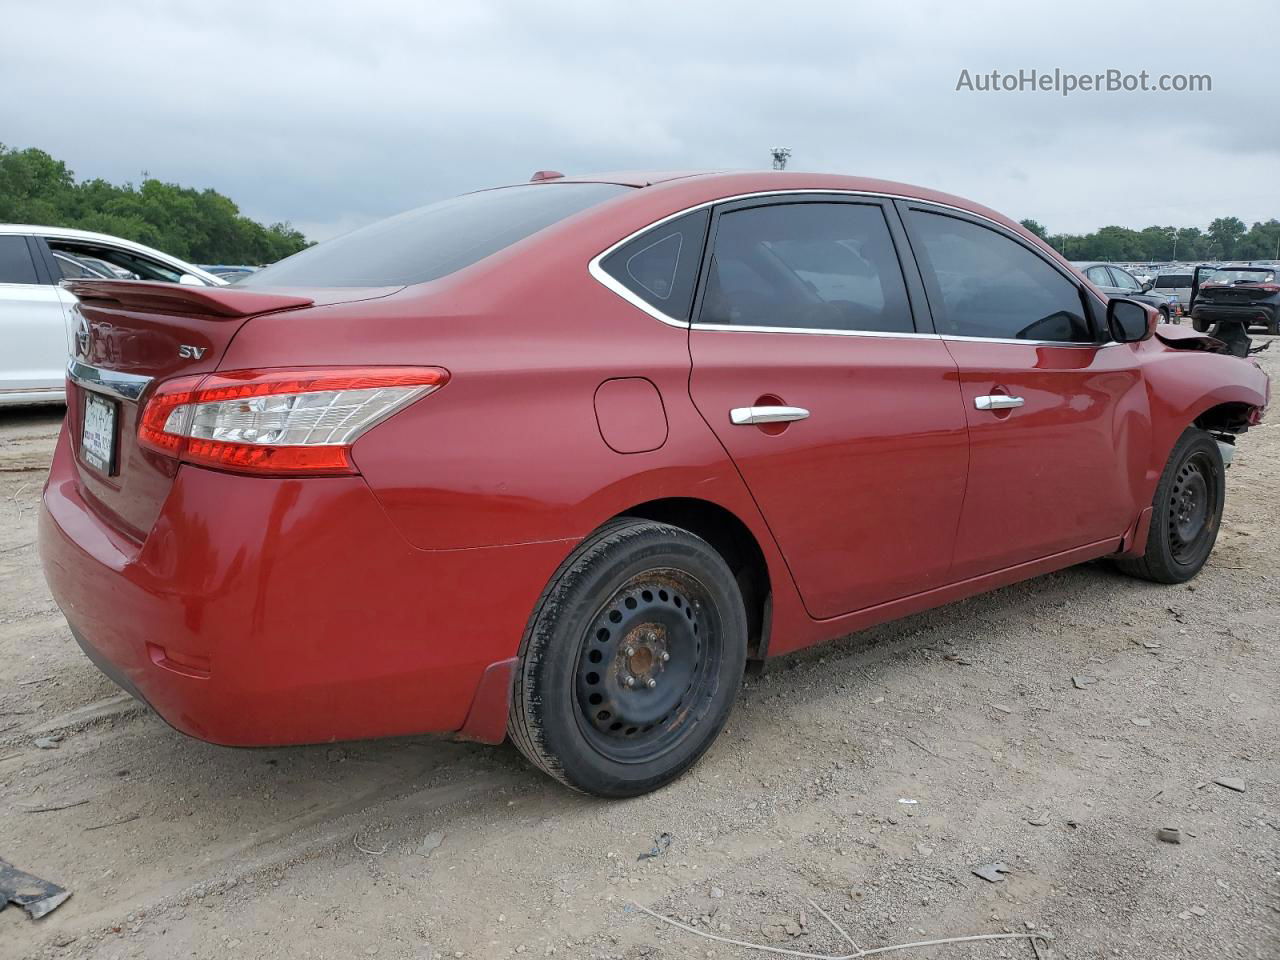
column 630, row 651
column 651, row 683
column 651, row 636
column 629, row 681
column 665, row 656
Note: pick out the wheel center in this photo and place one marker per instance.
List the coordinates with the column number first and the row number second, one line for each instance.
column 641, row 662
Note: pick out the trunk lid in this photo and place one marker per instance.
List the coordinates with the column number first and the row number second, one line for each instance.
column 130, row 335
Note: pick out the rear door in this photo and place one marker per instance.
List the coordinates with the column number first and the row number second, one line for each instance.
column 1055, row 413
column 32, row 323
column 842, row 415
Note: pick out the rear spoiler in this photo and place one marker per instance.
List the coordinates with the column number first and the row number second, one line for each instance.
column 155, row 297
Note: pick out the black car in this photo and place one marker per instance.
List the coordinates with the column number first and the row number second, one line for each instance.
column 1117, row 282
column 1236, row 296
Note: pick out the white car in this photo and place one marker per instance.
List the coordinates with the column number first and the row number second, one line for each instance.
column 35, row 311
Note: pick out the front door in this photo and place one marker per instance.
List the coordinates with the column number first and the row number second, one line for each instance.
column 1053, row 409
column 843, row 419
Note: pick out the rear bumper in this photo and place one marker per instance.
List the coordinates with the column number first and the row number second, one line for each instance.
column 262, row 612
column 1251, row 313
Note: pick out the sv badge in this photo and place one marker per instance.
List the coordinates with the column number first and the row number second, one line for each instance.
column 188, row 352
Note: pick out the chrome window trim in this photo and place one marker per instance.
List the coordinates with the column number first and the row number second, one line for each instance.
column 122, row 386
column 875, row 334
column 892, row 335
column 609, row 283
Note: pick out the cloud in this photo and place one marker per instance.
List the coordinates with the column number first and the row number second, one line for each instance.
column 331, row 114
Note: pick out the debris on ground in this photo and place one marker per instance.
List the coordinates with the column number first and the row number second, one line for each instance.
column 1041, row 821
column 1080, row 682
column 32, row 894
column 778, row 928
column 48, row 743
column 430, row 842
column 1231, row 783
column 660, row 846
column 1169, row 834
column 992, row 872
column 1140, row 722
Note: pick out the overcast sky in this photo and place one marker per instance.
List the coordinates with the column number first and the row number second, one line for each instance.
column 332, row 114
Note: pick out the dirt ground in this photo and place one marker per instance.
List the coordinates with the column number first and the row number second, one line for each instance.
column 422, row 848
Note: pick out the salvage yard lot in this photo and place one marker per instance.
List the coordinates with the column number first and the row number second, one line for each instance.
column 422, row 848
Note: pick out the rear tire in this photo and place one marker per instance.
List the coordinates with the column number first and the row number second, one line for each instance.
column 1186, row 512
column 1200, row 326
column 631, row 662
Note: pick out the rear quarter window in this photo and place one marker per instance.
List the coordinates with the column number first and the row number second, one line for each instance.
column 436, row 240
column 661, row 265
column 16, row 265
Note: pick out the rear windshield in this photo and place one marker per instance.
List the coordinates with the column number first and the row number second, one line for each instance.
column 433, row 241
column 1173, row 280
column 1257, row 275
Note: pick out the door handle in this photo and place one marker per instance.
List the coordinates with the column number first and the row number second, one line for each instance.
column 748, row 415
column 998, row 402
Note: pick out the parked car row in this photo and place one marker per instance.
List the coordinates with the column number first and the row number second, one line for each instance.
column 36, row 322
column 558, row 459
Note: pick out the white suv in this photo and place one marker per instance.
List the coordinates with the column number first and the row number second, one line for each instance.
column 35, row 311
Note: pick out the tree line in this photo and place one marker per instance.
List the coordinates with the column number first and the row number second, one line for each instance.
column 1226, row 238
column 199, row 226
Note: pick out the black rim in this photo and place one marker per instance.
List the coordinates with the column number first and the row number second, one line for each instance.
column 1192, row 508
column 648, row 666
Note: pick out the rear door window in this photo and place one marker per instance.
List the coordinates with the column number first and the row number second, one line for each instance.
column 982, row 283
column 661, row 265
column 436, row 240
column 812, row 265
column 1124, row 280
column 16, row 265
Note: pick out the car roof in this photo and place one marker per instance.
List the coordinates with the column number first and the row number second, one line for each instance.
column 676, row 189
column 634, row 178
column 70, row 233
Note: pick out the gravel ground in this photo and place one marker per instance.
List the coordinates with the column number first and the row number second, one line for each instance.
column 868, row 778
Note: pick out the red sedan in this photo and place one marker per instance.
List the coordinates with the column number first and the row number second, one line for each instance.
column 560, row 459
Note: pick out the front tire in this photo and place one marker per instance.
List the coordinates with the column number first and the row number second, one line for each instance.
column 631, row 662
column 1186, row 512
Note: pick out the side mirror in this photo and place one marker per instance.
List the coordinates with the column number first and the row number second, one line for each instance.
column 1148, row 285
column 1130, row 321
column 190, row 280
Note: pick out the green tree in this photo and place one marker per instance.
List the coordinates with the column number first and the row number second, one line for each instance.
column 201, row 226
column 1034, row 226
column 1225, row 233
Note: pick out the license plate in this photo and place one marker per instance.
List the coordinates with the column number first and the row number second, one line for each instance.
column 98, row 439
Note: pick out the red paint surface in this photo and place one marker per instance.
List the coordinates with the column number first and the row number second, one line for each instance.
column 251, row 610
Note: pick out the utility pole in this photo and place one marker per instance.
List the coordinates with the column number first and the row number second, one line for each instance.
column 1173, row 232
column 780, row 157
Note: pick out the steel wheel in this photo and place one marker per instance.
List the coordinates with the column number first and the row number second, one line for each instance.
column 1190, row 507
column 1185, row 512
column 632, row 660
column 647, row 666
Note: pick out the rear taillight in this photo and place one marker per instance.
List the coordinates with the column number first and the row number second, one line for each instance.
column 279, row 422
